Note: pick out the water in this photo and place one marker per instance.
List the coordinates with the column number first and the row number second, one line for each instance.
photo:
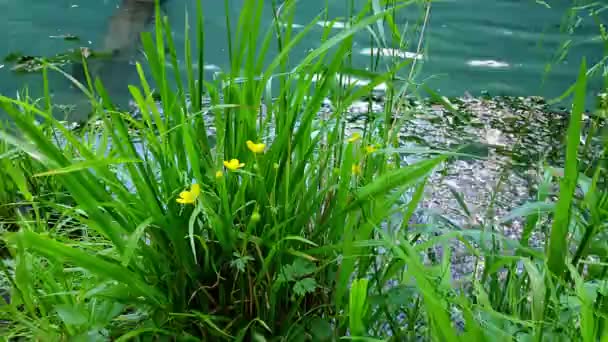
column 499, row 46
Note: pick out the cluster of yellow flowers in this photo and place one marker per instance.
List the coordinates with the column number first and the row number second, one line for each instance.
column 190, row 196
column 369, row 149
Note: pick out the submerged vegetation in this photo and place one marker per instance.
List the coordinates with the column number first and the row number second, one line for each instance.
column 281, row 225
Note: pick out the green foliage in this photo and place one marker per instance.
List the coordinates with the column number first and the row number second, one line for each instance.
column 559, row 231
column 298, row 244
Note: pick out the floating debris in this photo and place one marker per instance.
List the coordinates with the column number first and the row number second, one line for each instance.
column 27, row 64
column 67, row 37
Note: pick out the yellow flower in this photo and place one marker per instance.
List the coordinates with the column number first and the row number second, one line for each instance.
column 356, row 169
column 189, row 197
column 219, row 174
column 233, row 164
column 255, row 148
column 356, row 136
column 370, row 149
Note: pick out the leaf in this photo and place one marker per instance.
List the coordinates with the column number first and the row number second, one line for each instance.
column 558, row 246
column 402, row 177
column 240, row 262
column 399, row 295
column 527, row 209
column 71, row 315
column 357, row 307
column 191, row 221
column 301, row 239
column 379, row 23
column 134, row 240
column 445, row 102
column 587, row 321
column 87, row 164
column 95, row 264
column 537, row 289
column 460, row 199
column 302, row 267
column 133, row 334
column 304, row 286
column 298, row 269
column 18, row 178
column 320, row 329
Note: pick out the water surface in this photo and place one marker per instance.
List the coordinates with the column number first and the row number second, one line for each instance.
column 499, row 46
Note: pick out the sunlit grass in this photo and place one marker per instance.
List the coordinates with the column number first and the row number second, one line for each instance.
column 278, row 227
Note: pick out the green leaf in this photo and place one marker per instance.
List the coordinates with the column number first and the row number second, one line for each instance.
column 71, row 315
column 445, row 102
column 402, row 177
column 320, row 329
column 87, row 164
column 558, row 246
column 18, row 178
column 586, row 311
column 304, row 286
column 240, row 263
column 100, row 266
column 134, row 240
column 302, row 267
column 298, row 269
column 537, row 290
column 357, row 307
column 527, row 209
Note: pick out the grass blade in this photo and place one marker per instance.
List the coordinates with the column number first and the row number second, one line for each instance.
column 558, row 246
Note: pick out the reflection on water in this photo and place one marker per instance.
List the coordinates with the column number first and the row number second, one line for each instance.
column 122, row 43
column 501, row 46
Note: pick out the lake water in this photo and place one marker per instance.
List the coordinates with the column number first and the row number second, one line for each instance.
column 500, row 46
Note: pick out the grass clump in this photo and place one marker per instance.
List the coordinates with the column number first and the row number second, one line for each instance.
column 278, row 226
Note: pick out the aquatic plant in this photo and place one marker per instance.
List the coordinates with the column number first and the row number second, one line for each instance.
column 129, row 229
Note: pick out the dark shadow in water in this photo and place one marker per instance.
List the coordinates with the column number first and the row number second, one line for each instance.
column 121, row 43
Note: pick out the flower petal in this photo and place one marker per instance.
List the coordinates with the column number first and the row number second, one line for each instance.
column 356, row 136
column 195, row 190
column 255, row 148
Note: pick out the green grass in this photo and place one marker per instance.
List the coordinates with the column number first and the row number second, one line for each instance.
column 286, row 247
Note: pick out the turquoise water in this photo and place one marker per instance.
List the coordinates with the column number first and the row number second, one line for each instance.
column 499, row 46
